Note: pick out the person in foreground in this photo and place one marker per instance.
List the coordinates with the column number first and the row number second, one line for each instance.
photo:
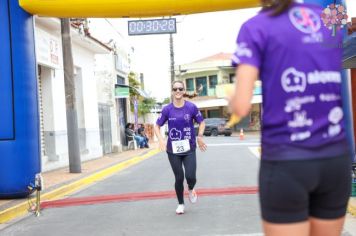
column 304, row 178
column 181, row 143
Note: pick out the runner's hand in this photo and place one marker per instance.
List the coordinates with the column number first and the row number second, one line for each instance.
column 162, row 145
column 202, row 146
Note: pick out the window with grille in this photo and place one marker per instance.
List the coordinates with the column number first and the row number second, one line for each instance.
column 213, row 81
column 232, row 78
column 201, row 86
column 190, row 85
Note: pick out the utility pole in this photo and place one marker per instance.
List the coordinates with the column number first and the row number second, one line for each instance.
column 71, row 110
column 171, row 49
column 352, row 29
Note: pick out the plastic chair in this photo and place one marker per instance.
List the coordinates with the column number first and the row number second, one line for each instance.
column 131, row 142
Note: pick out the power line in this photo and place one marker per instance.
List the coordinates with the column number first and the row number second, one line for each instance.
column 114, row 27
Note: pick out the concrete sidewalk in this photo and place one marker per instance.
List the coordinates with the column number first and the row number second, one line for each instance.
column 60, row 183
column 352, row 206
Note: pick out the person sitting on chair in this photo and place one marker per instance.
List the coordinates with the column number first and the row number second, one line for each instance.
column 129, row 131
column 141, row 132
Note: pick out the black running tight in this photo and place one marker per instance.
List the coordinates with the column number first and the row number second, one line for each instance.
column 190, row 166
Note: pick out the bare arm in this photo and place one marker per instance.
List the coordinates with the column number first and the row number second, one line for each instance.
column 162, row 143
column 240, row 101
column 201, row 129
column 201, row 144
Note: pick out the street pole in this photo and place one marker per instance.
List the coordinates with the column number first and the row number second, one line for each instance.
column 171, row 48
column 71, row 111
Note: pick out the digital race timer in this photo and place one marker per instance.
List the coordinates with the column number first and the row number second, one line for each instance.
column 154, row 26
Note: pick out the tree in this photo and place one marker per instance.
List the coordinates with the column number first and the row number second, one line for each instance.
column 145, row 105
column 133, row 83
column 166, row 101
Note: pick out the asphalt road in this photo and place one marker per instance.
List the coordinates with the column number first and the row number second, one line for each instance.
column 229, row 165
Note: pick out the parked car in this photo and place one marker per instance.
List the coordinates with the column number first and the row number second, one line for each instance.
column 215, row 127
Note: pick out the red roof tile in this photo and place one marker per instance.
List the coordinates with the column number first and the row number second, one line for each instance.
column 216, row 57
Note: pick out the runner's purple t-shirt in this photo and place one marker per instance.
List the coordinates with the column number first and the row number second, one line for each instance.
column 299, row 63
column 180, row 123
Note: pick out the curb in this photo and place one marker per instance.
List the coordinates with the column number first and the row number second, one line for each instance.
column 23, row 208
column 352, row 206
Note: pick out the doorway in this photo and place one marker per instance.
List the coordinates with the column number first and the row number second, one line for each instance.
column 105, row 128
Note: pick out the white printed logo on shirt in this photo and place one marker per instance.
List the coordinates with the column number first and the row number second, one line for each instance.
column 243, row 51
column 296, row 81
column 335, row 116
column 175, row 134
column 293, row 80
column 300, row 120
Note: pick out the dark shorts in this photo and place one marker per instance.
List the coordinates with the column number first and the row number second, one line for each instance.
column 293, row 191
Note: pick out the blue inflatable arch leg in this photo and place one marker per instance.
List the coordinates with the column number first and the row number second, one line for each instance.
column 19, row 131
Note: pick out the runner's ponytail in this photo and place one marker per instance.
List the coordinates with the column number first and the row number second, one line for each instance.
column 277, row 6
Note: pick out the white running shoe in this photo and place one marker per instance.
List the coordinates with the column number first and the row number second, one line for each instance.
column 180, row 209
column 193, row 196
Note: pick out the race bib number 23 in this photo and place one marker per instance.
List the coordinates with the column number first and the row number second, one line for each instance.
column 180, row 146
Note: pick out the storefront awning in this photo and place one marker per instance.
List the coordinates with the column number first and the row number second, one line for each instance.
column 221, row 102
column 123, row 91
column 349, row 56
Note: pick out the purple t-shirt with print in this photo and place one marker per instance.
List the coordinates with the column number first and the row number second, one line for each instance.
column 180, row 123
column 299, row 61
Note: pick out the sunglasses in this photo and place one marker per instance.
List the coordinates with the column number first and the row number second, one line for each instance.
column 176, row 89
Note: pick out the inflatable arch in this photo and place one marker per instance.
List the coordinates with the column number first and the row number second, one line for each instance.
column 19, row 124
column 130, row 8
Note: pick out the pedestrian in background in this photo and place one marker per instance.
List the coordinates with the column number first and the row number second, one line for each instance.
column 142, row 133
column 304, row 178
column 130, row 133
column 181, row 143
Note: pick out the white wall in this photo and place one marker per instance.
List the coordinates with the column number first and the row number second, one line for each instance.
column 47, row 97
column 106, row 79
column 85, row 60
column 55, row 118
column 59, row 105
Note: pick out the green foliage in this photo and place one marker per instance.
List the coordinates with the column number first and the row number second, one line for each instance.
column 133, row 83
column 166, row 101
column 144, row 104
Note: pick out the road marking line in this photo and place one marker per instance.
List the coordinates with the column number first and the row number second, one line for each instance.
column 22, row 208
column 352, row 207
column 256, row 151
column 78, row 201
column 232, row 144
column 252, row 234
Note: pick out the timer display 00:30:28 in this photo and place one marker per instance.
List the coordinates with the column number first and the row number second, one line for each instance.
column 157, row 26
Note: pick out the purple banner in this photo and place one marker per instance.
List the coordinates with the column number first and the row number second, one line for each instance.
column 135, row 102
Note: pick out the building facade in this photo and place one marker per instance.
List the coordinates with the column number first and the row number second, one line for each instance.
column 209, row 80
column 112, row 74
column 51, row 93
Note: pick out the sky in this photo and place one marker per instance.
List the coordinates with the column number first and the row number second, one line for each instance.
column 198, row 36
